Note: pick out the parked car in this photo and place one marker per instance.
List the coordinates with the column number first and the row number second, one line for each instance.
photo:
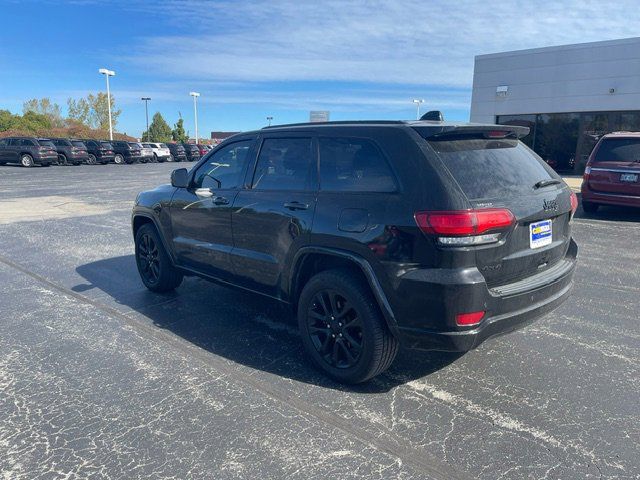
column 68, row 153
column 160, row 151
column 612, row 174
column 176, row 152
column 27, row 151
column 99, row 151
column 146, row 153
column 203, row 149
column 192, row 152
column 126, row 152
column 431, row 235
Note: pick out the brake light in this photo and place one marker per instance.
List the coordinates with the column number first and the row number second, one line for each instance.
column 497, row 134
column 464, row 222
column 574, row 203
column 466, row 319
column 587, row 172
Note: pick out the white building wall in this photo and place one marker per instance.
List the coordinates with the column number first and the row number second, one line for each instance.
column 570, row 78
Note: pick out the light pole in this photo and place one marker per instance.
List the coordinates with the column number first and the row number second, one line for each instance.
column 108, row 73
column 418, row 102
column 146, row 112
column 195, row 96
column 269, row 120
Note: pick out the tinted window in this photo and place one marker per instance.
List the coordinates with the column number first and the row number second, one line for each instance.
column 147, row 145
column 354, row 165
column 78, row 144
column 225, row 166
column 285, row 164
column 492, row 168
column 3, row 142
column 106, row 145
column 46, row 143
column 619, row 150
column 25, row 142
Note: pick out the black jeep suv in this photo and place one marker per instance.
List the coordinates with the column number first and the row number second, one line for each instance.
column 126, row 152
column 192, row 151
column 430, row 235
column 177, row 152
column 99, row 151
column 70, row 153
column 27, row 151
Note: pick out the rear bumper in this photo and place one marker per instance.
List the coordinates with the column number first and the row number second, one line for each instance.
column 508, row 307
column 602, row 198
column 45, row 159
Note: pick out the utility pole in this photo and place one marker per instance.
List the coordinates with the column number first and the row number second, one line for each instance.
column 146, row 112
column 108, row 73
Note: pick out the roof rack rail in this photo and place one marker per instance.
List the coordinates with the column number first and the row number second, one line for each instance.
column 339, row 122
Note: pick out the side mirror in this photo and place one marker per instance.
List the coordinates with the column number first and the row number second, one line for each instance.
column 180, row 178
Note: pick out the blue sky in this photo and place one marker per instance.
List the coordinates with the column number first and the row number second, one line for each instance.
column 249, row 59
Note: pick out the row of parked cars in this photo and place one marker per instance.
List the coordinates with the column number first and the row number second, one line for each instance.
column 31, row 151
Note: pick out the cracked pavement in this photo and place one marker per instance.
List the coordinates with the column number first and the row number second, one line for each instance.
column 100, row 378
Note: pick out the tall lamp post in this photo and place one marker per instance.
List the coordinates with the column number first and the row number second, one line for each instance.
column 269, row 119
column 195, row 96
column 146, row 112
column 418, row 102
column 108, row 73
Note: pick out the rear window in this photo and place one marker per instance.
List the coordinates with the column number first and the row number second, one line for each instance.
column 619, row 150
column 46, row 143
column 79, row 144
column 106, row 145
column 163, row 145
column 487, row 168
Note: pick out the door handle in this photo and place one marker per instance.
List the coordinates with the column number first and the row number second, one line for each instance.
column 296, row 205
column 204, row 192
column 220, row 201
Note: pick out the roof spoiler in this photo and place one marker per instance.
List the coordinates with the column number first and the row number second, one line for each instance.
column 440, row 132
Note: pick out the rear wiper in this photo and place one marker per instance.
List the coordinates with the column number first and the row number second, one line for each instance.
column 546, row 183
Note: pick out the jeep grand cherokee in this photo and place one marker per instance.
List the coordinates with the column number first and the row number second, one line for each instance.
column 426, row 234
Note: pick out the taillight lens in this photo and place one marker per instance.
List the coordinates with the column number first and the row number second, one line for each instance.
column 574, row 203
column 587, row 172
column 466, row 227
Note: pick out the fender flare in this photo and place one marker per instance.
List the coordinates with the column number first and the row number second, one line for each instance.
column 154, row 221
column 367, row 271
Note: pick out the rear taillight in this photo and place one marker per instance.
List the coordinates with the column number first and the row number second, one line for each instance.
column 587, row 172
column 574, row 203
column 466, row 227
column 466, row 319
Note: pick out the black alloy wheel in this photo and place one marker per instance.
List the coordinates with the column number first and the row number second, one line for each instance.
column 335, row 329
column 154, row 264
column 148, row 259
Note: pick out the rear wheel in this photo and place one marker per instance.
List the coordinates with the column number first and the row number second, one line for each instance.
column 119, row 159
column 154, row 265
column 342, row 329
column 92, row 159
column 62, row 159
column 590, row 207
column 26, row 160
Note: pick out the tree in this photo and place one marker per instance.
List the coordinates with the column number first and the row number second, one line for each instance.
column 45, row 107
column 159, row 130
column 93, row 111
column 178, row 133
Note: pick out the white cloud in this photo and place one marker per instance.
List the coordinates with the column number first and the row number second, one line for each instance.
column 409, row 42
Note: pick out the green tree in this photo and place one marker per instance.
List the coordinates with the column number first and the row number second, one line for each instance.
column 93, row 111
column 79, row 110
column 178, row 133
column 44, row 106
column 159, row 130
column 7, row 120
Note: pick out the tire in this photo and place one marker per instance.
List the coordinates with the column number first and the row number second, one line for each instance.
column 26, row 160
column 119, row 159
column 62, row 159
column 154, row 265
column 171, row 158
column 589, row 207
column 328, row 298
column 92, row 159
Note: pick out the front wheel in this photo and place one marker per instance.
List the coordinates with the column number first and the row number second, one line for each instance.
column 26, row 160
column 342, row 328
column 154, row 265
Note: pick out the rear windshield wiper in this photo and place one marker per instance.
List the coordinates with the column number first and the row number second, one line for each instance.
column 546, row 183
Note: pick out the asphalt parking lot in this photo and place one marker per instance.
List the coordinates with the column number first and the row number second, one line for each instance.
column 100, row 378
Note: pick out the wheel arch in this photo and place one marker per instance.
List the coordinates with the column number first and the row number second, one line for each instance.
column 310, row 261
column 139, row 219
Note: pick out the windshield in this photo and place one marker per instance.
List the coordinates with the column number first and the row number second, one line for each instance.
column 486, row 168
column 619, row 150
column 46, row 143
column 78, row 144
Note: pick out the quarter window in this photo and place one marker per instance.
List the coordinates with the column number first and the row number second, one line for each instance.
column 354, row 165
column 285, row 164
column 225, row 168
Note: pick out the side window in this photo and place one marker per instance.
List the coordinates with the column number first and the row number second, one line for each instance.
column 285, row 164
column 354, row 165
column 27, row 143
column 225, row 168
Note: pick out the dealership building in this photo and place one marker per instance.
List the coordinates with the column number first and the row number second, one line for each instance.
column 568, row 96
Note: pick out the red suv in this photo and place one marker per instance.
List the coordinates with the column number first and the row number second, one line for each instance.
column 612, row 174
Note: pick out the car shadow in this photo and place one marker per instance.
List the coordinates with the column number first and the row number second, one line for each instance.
column 242, row 327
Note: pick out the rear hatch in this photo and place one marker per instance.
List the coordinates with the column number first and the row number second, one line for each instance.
column 615, row 166
column 496, row 171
